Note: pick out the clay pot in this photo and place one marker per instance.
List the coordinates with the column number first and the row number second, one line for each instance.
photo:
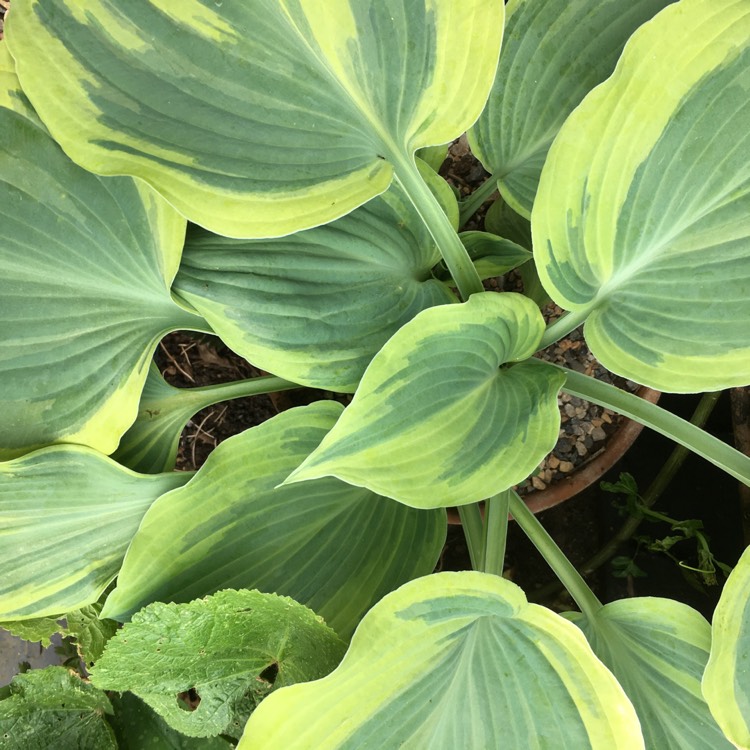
column 589, row 472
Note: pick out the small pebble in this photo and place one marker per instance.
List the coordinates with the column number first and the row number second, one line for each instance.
column 566, row 467
column 538, row 483
column 598, row 434
column 581, row 448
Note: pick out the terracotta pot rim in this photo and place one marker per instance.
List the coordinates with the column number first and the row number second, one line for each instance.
column 588, row 473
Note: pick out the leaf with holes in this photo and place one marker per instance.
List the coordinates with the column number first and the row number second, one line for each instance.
column 226, row 652
column 256, row 119
column 641, row 224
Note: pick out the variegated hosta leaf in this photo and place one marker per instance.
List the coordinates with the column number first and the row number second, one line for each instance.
column 336, row 548
column 455, row 660
column 316, row 306
column 67, row 515
column 84, row 292
column 642, row 221
column 657, row 649
column 440, row 418
column 493, row 255
column 555, row 52
column 256, row 119
column 726, row 681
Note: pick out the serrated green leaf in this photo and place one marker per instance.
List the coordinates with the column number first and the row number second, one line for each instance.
column 68, row 515
column 318, row 105
column 231, row 648
column 316, row 306
column 138, row 727
column 37, row 630
column 84, row 295
column 52, row 708
column 90, row 631
column 555, row 52
column 322, row 543
column 439, row 418
column 726, row 681
column 642, row 220
column 657, row 649
column 455, row 660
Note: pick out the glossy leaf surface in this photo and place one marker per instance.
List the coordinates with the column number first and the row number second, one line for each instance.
column 657, row 649
column 84, row 294
column 439, row 419
column 336, row 548
column 232, row 649
column 316, row 306
column 455, row 660
column 642, row 221
column 138, row 727
column 259, row 119
column 53, row 708
column 555, row 52
column 726, row 681
column 68, row 515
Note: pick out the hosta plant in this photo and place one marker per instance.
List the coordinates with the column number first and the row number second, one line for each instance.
column 296, row 137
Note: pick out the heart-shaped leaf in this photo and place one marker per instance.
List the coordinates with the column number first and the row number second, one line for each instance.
column 440, row 417
column 455, row 660
column 84, row 294
column 555, row 52
column 642, row 220
column 256, row 119
column 657, row 649
column 231, row 649
column 316, row 306
column 336, row 548
column 67, row 515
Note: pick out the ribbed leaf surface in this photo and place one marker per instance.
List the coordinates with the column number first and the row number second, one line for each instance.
column 554, row 53
column 642, row 220
column 67, row 516
column 657, row 649
column 336, row 548
column 440, row 418
column 256, row 119
column 84, row 293
column 455, row 660
column 726, row 681
column 316, row 306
